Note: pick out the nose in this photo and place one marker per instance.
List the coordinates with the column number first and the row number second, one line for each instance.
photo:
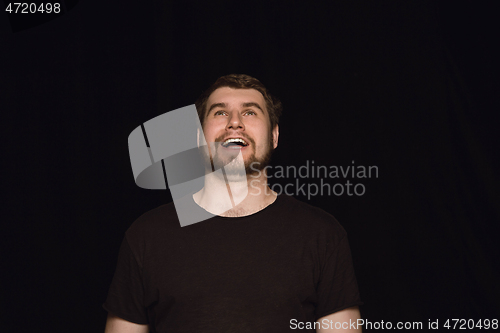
column 235, row 122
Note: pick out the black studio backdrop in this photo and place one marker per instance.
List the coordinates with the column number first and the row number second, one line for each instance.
column 409, row 87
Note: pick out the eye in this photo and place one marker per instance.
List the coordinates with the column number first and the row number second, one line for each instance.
column 217, row 113
column 251, row 112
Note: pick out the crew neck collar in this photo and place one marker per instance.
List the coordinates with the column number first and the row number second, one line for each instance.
column 267, row 209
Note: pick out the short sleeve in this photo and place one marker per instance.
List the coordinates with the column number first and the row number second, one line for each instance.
column 126, row 293
column 337, row 287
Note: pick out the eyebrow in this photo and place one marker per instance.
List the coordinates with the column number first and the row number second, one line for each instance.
column 216, row 105
column 246, row 105
column 224, row 105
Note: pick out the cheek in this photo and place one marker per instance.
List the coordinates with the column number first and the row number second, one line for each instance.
column 214, row 126
column 210, row 131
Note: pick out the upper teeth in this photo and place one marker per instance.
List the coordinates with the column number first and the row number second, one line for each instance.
column 234, row 140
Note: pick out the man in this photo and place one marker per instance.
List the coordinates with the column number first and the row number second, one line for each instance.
column 264, row 263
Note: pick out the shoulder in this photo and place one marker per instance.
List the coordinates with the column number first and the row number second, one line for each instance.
column 151, row 223
column 311, row 217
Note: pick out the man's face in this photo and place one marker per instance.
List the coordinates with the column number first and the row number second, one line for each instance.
column 237, row 120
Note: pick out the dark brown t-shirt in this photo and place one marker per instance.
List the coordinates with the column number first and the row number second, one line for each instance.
column 287, row 263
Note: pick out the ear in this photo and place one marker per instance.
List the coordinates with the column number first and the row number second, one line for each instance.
column 198, row 137
column 275, row 133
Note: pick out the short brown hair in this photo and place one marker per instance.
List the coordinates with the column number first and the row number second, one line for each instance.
column 241, row 81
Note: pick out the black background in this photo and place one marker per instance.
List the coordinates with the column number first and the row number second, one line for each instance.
column 410, row 87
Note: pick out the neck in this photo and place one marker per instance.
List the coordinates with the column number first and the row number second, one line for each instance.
column 233, row 195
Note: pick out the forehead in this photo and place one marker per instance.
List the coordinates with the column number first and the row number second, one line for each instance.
column 236, row 96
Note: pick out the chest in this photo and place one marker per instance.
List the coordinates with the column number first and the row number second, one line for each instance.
column 273, row 267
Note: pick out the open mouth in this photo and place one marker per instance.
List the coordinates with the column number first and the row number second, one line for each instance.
column 234, row 143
